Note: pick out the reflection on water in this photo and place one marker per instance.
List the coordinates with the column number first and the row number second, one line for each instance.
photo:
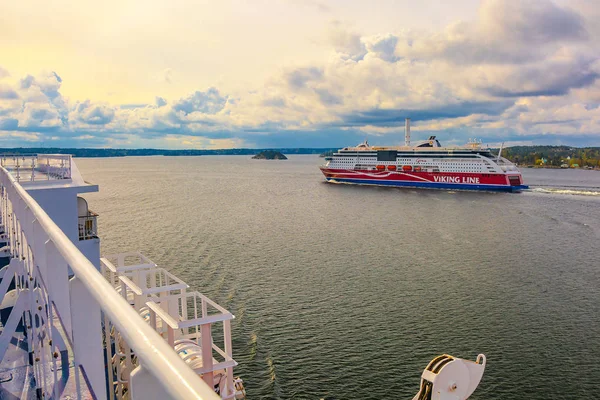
column 348, row 292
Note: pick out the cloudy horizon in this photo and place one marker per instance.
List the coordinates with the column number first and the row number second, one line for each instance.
column 298, row 73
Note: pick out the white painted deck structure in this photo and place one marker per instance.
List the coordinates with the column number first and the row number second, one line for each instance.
column 78, row 326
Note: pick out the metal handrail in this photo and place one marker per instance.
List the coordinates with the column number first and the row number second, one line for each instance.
column 155, row 354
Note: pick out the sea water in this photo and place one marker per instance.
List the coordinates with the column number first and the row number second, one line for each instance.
column 347, row 292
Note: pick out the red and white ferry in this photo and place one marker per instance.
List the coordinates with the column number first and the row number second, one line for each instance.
column 425, row 165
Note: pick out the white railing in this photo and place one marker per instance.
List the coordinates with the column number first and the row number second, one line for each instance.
column 40, row 167
column 184, row 319
column 43, row 256
column 87, row 225
column 55, row 165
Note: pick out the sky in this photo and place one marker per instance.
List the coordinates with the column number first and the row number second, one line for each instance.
column 298, row 73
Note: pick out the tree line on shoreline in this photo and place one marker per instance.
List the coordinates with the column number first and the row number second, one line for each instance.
column 87, row 152
column 554, row 156
column 523, row 155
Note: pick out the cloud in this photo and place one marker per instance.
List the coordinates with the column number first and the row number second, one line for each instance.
column 382, row 46
column 160, row 102
column 27, row 82
column 209, row 102
column 8, row 93
column 302, row 77
column 396, row 117
column 506, row 32
column 345, row 42
column 3, row 73
column 39, row 116
column 534, row 21
column 523, row 70
column 553, row 78
column 92, row 114
column 8, row 124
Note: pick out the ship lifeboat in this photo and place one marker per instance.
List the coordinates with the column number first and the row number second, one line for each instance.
column 391, row 167
column 417, row 169
column 380, row 167
column 406, row 168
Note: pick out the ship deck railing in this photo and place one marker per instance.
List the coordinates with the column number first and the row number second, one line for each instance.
column 44, row 257
column 88, row 226
column 182, row 318
column 37, row 167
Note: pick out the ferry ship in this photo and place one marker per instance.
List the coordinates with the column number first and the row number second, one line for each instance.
column 425, row 165
column 78, row 325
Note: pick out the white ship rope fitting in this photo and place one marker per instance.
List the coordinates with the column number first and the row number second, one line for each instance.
column 450, row 378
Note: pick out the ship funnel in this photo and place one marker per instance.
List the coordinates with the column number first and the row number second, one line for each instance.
column 407, row 132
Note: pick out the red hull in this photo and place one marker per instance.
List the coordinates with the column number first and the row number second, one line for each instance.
column 442, row 180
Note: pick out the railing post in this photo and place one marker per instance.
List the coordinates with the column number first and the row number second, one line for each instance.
column 57, row 283
column 229, row 352
column 207, row 358
column 87, row 336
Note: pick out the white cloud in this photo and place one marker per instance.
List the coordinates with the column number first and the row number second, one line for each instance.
column 523, row 68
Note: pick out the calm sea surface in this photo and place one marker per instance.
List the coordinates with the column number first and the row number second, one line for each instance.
column 347, row 292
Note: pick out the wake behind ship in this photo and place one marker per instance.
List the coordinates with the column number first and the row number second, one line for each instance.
column 425, row 165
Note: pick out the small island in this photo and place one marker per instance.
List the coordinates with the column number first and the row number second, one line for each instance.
column 269, row 155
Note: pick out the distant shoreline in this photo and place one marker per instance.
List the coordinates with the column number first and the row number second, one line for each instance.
column 555, row 167
column 103, row 153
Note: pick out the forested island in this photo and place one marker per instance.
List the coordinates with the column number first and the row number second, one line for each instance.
column 269, row 155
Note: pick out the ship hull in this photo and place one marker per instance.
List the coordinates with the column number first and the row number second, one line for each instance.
column 425, row 180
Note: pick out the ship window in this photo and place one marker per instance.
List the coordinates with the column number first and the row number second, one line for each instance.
column 387, row 155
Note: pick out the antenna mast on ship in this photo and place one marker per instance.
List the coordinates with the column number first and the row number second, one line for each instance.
column 500, row 152
column 407, row 133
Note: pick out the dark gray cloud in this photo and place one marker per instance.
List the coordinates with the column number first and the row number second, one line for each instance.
column 27, row 82
column 276, row 102
column 299, row 78
column 8, row 94
column 554, row 78
column 8, row 124
column 328, row 98
column 534, row 21
column 58, row 78
column 396, row 117
column 160, row 102
column 506, row 32
column 132, row 106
